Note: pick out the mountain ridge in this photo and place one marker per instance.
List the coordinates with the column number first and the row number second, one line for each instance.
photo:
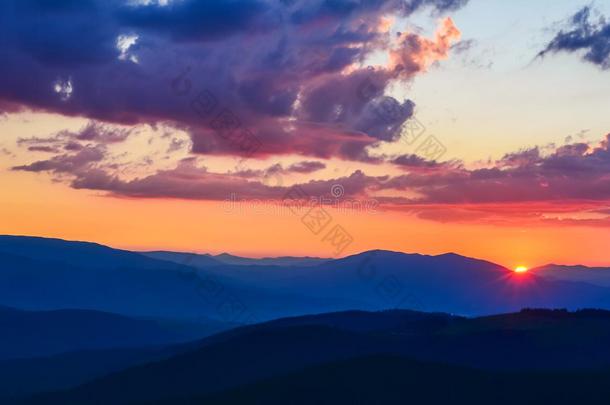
column 39, row 274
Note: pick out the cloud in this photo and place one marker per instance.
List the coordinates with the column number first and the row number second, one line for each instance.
column 306, row 167
column 413, row 162
column 414, row 53
column 194, row 20
column 42, row 148
column 581, row 34
column 277, row 170
column 93, row 134
column 568, row 185
column 67, row 163
column 187, row 181
column 290, row 72
column 176, row 145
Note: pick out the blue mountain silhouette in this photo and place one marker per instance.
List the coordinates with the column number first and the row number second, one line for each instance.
column 42, row 274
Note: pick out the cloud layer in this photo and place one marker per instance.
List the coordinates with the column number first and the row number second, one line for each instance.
column 570, row 184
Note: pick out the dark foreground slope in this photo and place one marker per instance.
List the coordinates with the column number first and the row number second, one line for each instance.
column 51, row 350
column 21, row 378
column 397, row 380
column 534, row 342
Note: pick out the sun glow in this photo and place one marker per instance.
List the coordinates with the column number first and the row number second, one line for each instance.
column 520, row 269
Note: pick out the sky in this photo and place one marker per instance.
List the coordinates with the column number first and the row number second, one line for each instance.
column 321, row 128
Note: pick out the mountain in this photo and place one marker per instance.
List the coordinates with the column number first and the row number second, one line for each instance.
column 77, row 254
column 47, row 274
column 377, row 280
column 531, row 342
column 43, row 274
column 593, row 275
column 45, row 333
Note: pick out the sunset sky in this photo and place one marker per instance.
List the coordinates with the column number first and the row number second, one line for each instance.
column 479, row 127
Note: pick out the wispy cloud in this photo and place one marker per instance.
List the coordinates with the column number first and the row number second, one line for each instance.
column 581, row 34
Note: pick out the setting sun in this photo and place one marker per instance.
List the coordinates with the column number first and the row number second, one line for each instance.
column 520, row 269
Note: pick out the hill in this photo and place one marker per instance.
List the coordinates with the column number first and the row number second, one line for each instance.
column 45, row 333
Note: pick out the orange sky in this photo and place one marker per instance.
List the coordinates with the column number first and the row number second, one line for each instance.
column 31, row 205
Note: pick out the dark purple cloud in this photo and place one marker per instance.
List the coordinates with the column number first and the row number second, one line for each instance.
column 305, row 167
column 194, row 20
column 582, row 34
column 571, row 172
column 42, row 148
column 100, row 133
column 67, row 163
column 414, row 162
column 278, row 66
column 91, row 134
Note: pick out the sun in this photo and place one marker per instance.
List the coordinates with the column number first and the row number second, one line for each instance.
column 520, row 269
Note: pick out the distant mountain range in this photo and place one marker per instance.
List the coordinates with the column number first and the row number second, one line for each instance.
column 47, row 274
column 592, row 275
column 207, row 260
